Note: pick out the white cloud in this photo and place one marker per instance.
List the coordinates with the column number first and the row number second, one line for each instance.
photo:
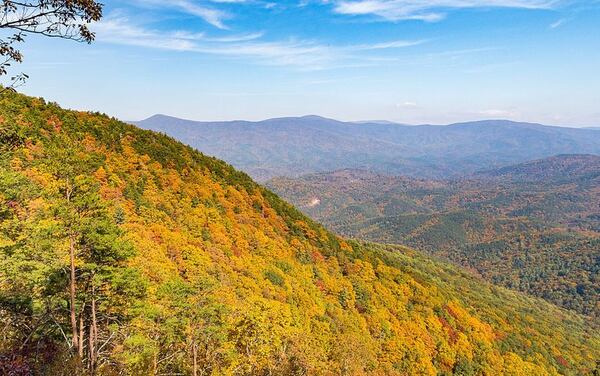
column 407, row 105
column 121, row 31
column 427, row 10
column 303, row 54
column 558, row 23
column 498, row 113
column 211, row 15
column 299, row 53
column 236, row 38
column 388, row 45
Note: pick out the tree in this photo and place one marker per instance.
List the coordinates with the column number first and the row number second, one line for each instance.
column 67, row 19
column 95, row 249
column 65, row 286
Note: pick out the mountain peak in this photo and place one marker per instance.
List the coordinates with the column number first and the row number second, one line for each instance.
column 315, row 117
column 156, row 117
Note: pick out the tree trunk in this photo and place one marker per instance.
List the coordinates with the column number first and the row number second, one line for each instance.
column 195, row 354
column 93, row 332
column 81, row 332
column 155, row 364
column 72, row 286
column 91, row 350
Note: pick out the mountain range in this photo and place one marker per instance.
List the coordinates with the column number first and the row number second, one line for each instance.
column 300, row 145
column 534, row 227
column 125, row 252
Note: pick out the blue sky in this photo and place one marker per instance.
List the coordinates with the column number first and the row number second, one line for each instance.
column 429, row 61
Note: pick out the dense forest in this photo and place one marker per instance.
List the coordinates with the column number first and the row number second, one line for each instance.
column 124, row 252
column 533, row 227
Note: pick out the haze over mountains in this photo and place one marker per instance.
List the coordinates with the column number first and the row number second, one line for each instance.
column 299, row 145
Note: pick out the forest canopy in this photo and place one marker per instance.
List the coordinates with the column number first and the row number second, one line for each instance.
column 123, row 251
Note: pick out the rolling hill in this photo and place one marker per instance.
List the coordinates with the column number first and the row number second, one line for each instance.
column 302, row 145
column 534, row 227
column 123, row 251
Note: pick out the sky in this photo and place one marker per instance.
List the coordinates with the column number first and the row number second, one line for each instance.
column 407, row 61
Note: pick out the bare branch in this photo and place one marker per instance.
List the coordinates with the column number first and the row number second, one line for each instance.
column 65, row 19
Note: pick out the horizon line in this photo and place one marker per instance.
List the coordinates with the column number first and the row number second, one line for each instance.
column 372, row 121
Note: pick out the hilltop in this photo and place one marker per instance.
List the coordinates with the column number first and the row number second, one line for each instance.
column 183, row 265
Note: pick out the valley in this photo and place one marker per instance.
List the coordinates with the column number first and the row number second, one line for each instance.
column 533, row 227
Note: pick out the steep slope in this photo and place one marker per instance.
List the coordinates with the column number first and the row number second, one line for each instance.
column 297, row 146
column 183, row 265
column 534, row 227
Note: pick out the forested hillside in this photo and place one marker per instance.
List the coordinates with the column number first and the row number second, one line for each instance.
column 534, row 227
column 124, row 252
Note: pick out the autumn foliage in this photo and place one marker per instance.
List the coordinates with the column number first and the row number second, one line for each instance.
column 183, row 265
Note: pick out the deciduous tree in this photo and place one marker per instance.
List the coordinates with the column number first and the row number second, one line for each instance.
column 67, row 19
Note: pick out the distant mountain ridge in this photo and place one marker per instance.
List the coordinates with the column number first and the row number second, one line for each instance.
column 554, row 169
column 294, row 146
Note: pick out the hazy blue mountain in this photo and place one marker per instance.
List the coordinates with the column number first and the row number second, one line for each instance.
column 554, row 170
column 299, row 145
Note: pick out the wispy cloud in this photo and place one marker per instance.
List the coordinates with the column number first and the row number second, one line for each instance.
column 236, row 38
column 229, row 1
column 407, row 105
column 211, row 15
column 427, row 10
column 303, row 54
column 121, row 31
column 558, row 23
column 388, row 45
column 498, row 113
